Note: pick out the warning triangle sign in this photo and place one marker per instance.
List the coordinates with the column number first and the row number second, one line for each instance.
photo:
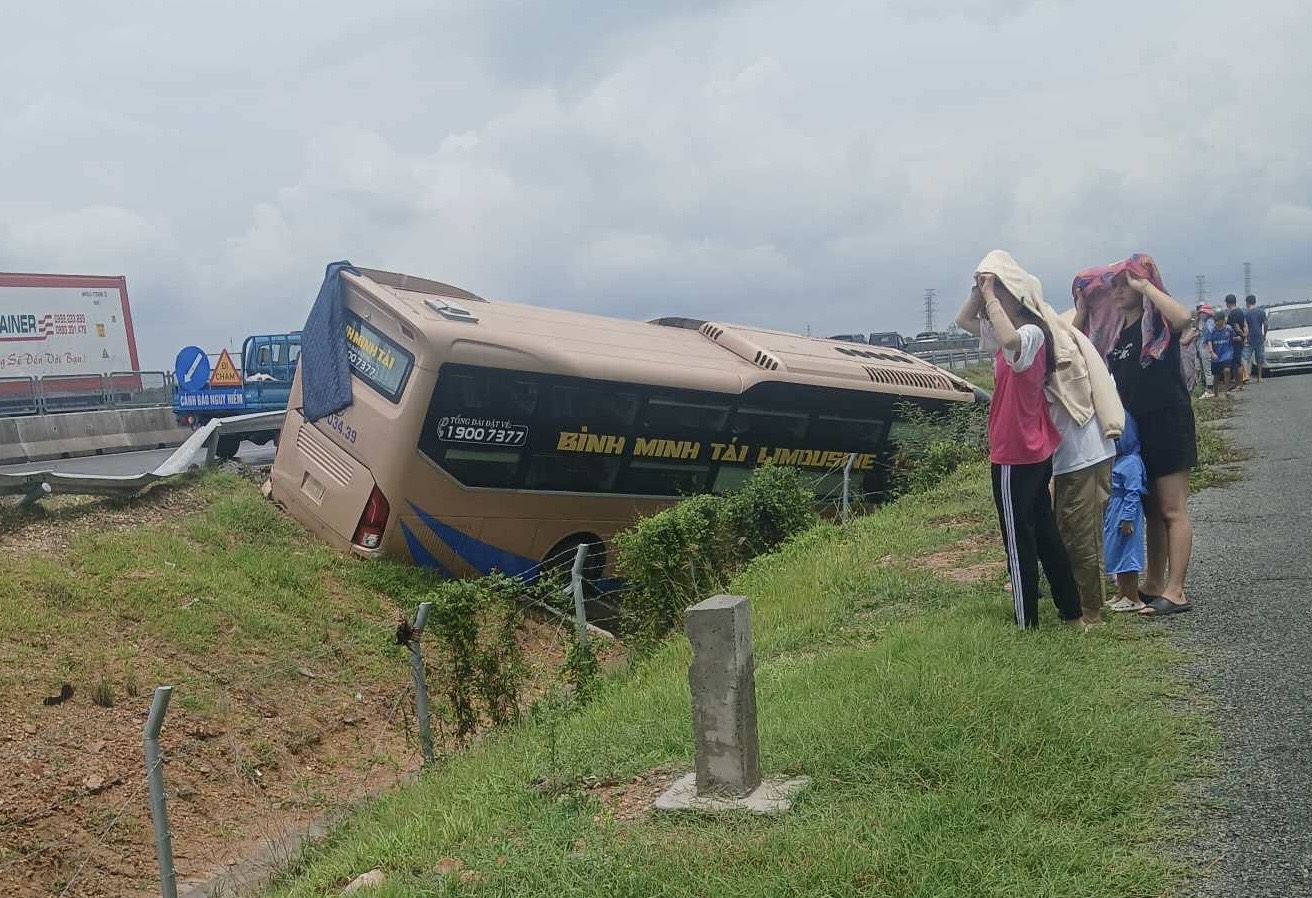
column 225, row 372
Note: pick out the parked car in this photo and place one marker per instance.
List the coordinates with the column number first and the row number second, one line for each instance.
column 1289, row 336
column 888, row 338
column 849, row 338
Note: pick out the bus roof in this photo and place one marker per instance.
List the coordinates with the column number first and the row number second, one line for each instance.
column 674, row 352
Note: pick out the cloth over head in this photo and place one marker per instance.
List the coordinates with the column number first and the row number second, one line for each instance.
column 1105, row 322
column 1081, row 382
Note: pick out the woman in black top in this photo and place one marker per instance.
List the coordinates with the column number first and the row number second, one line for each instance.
column 1154, row 392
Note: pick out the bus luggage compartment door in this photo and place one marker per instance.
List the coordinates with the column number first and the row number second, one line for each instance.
column 312, row 473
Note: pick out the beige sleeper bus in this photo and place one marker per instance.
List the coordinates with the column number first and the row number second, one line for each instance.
column 487, row 435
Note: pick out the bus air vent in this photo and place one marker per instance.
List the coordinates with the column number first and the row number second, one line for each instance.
column 449, row 310
column 740, row 345
column 327, row 457
column 922, row 380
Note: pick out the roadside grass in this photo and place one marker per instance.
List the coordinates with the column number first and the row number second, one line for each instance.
column 979, row 375
column 234, row 588
column 949, row 753
column 1217, row 458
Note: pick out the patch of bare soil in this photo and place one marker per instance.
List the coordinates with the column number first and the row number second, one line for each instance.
column 962, row 562
column 244, row 780
column 631, row 799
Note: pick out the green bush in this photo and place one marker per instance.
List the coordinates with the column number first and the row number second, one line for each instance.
column 928, row 446
column 680, row 555
column 479, row 667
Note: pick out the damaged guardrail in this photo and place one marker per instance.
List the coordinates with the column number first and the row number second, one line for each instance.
column 199, row 451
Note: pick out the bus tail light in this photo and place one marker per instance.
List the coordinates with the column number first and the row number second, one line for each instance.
column 369, row 532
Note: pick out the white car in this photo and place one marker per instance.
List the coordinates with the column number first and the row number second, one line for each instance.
column 1289, row 336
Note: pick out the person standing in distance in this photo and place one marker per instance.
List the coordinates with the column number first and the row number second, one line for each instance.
column 1255, row 348
column 1234, row 317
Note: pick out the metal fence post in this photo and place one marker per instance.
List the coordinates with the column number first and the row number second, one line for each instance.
column 421, row 682
column 847, row 485
column 159, row 814
column 38, row 492
column 576, row 586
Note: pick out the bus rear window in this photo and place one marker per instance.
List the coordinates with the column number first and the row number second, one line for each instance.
column 377, row 359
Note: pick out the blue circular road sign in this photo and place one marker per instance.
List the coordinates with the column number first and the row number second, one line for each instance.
column 192, row 369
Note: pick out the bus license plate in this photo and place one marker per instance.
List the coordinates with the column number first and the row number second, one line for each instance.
column 313, row 488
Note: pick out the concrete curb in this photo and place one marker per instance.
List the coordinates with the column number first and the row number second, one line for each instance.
column 74, row 434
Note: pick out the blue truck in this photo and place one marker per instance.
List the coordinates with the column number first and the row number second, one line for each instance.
column 205, row 389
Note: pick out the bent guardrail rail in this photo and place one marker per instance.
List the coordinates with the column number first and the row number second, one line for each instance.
column 198, row 451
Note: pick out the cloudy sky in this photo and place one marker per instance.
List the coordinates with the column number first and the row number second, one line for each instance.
column 777, row 163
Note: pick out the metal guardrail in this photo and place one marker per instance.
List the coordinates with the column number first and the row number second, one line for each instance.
column 198, row 451
column 84, row 392
column 19, row 396
column 953, row 359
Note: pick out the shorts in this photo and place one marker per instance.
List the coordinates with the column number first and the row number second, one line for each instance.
column 1168, row 442
column 1219, row 368
column 1255, row 354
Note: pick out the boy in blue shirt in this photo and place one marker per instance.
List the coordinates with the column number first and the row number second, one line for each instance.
column 1221, row 339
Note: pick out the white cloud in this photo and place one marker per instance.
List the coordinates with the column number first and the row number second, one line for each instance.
column 759, row 161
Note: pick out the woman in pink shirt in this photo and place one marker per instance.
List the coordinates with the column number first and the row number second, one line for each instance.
column 1022, row 439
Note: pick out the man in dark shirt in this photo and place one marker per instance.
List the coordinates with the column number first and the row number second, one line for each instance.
column 1234, row 317
column 1255, row 348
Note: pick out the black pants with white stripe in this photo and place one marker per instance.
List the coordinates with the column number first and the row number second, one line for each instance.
column 1029, row 529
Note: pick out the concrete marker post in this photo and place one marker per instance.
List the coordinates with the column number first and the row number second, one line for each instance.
column 722, row 680
column 159, row 814
column 421, row 682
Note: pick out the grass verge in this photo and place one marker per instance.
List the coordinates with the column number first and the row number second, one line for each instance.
column 950, row 754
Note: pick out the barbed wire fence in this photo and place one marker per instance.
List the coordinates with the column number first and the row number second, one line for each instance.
column 564, row 587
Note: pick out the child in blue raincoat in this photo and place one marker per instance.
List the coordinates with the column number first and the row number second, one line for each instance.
column 1123, row 535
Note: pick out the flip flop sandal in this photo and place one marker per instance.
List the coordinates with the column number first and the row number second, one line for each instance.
column 1160, row 606
column 1146, row 598
column 1124, row 604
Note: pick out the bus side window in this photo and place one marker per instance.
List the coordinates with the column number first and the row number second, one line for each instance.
column 769, row 425
column 482, row 466
column 730, row 478
column 664, row 415
column 488, row 393
column 601, row 409
column 572, row 473
column 832, row 430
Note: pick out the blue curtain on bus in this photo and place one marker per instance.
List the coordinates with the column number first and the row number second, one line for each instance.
column 325, row 369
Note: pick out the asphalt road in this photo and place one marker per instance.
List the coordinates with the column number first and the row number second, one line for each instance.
column 1251, row 630
column 131, row 462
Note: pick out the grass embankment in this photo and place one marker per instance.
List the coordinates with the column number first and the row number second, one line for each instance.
column 215, row 577
column 949, row 753
column 287, row 686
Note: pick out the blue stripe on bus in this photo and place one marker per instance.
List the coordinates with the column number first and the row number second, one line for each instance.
column 419, row 552
column 481, row 556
